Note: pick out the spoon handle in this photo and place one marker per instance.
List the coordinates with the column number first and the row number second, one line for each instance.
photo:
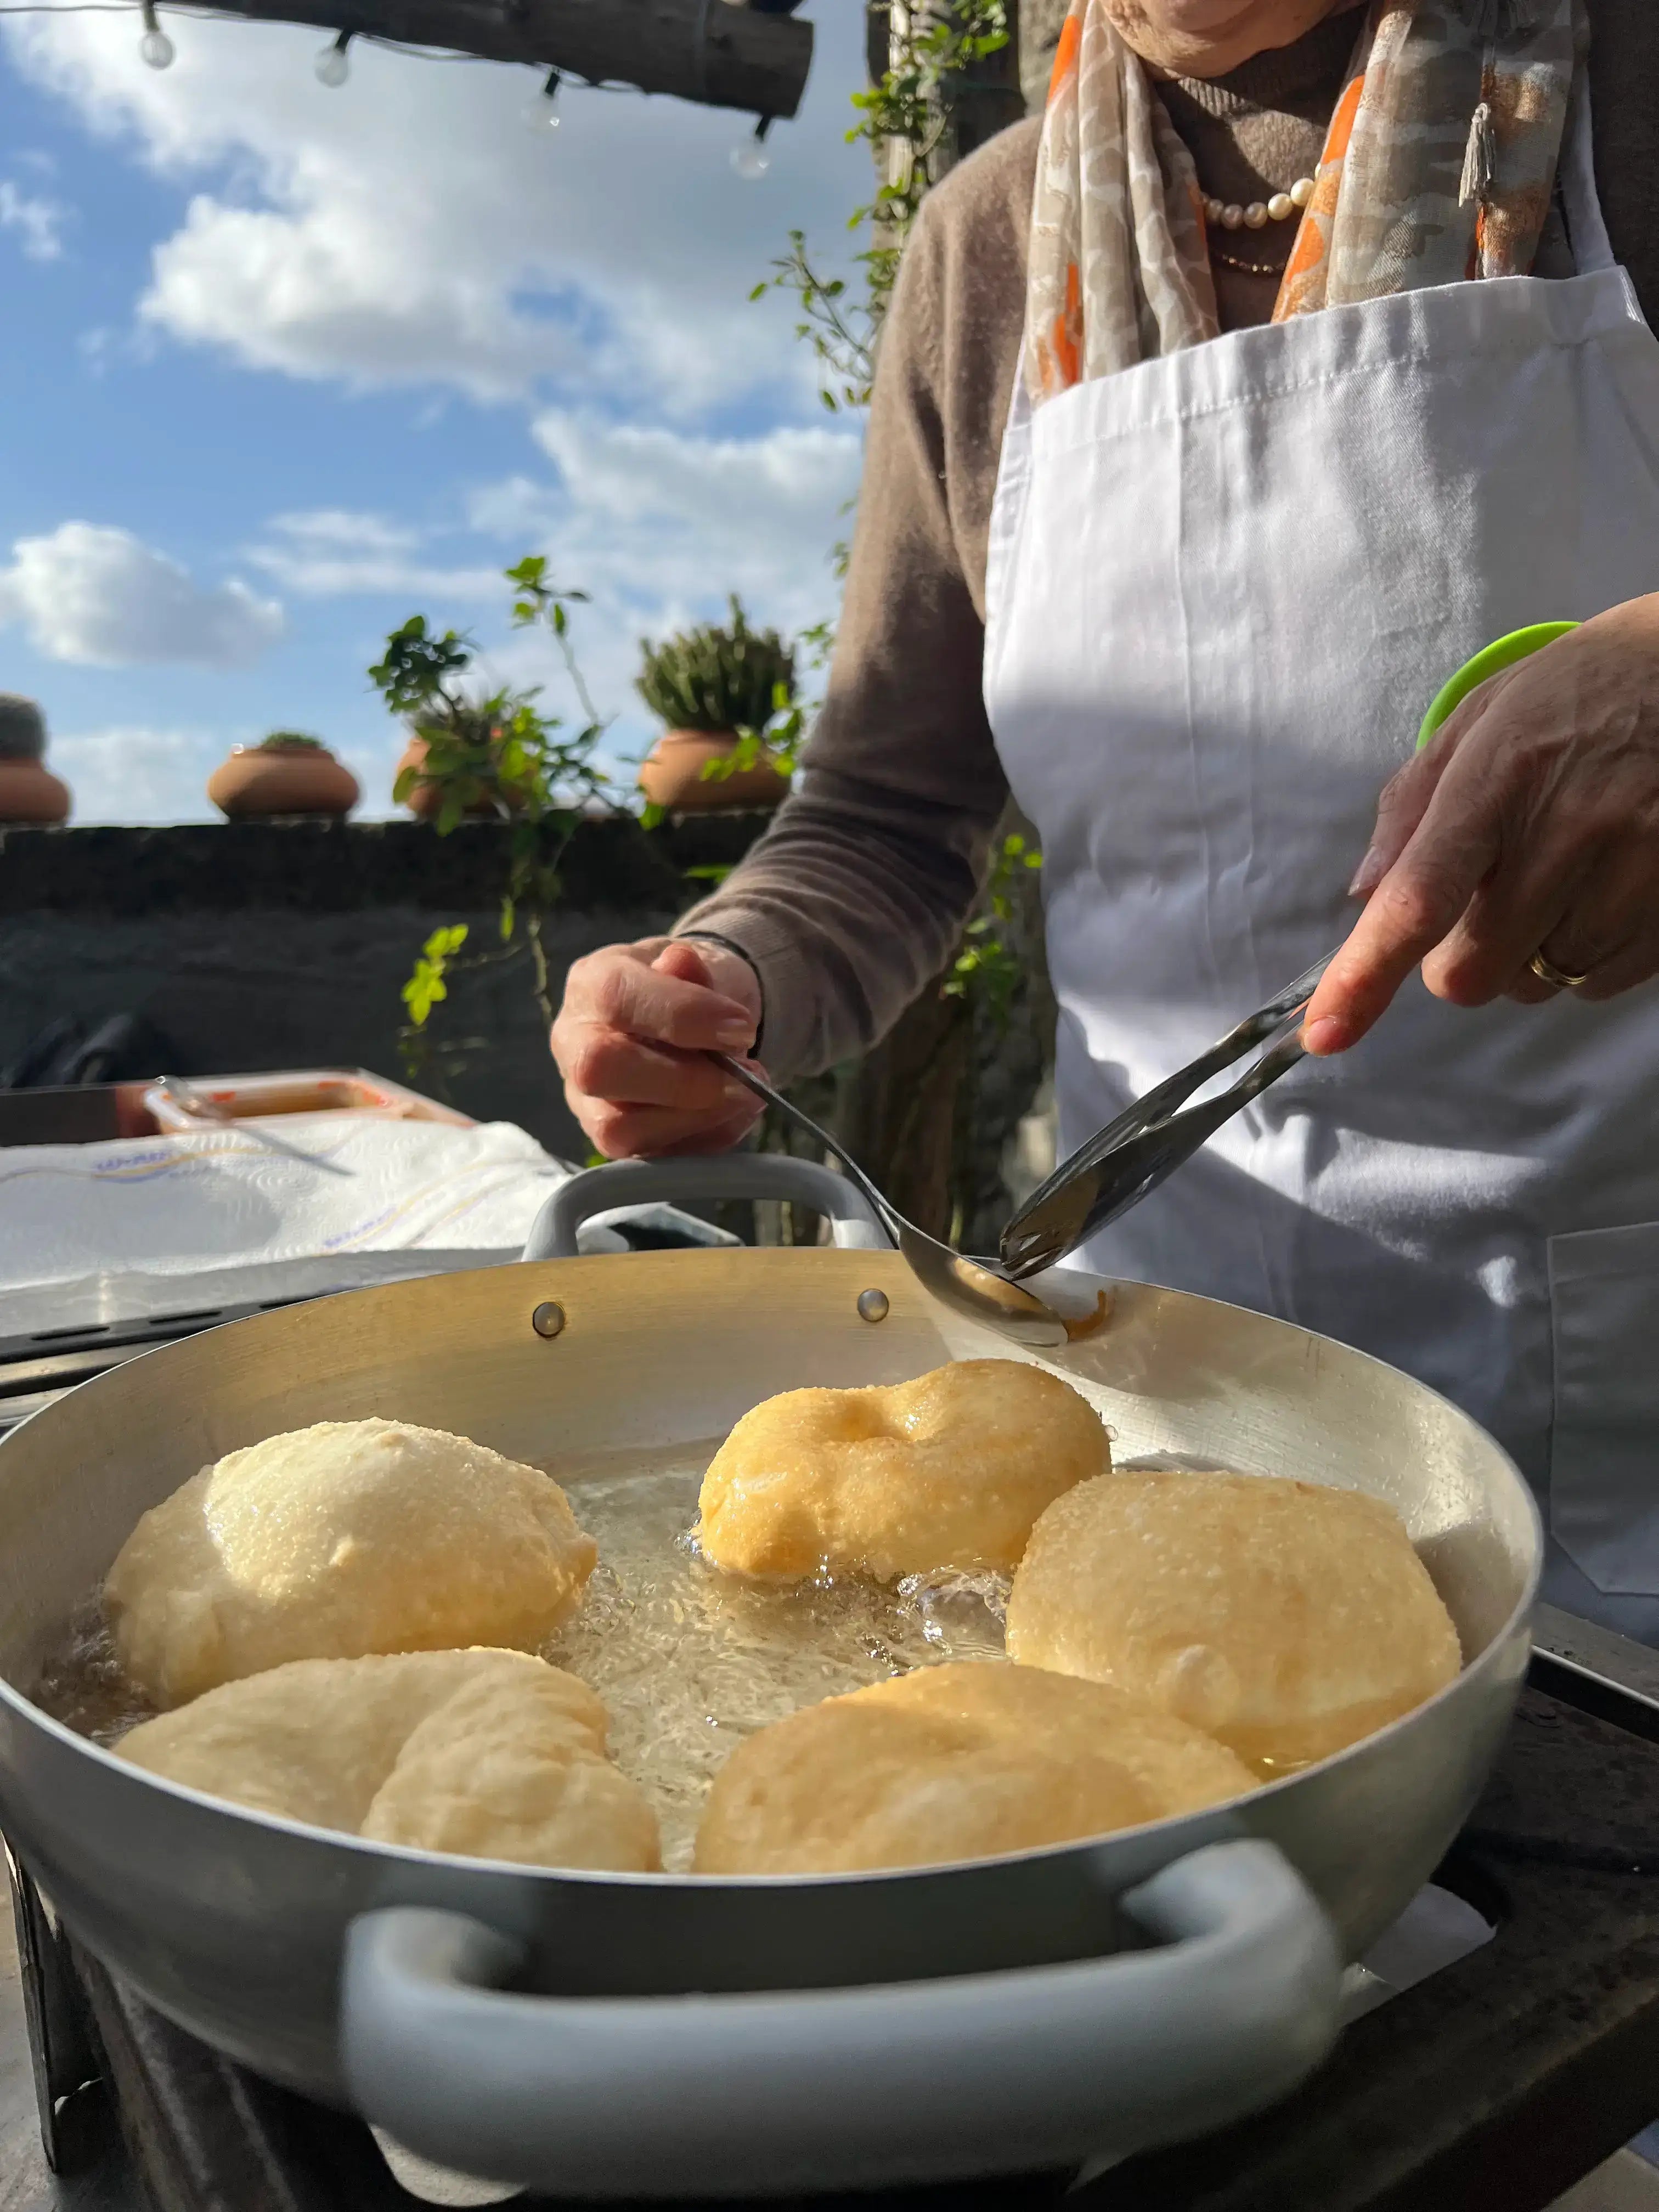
column 809, row 1128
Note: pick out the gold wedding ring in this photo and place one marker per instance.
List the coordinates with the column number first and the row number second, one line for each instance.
column 1557, row 978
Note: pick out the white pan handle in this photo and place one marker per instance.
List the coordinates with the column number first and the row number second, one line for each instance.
column 777, row 2092
column 702, row 1182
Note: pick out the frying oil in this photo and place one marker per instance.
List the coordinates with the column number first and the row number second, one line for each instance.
column 688, row 1661
column 84, row 1685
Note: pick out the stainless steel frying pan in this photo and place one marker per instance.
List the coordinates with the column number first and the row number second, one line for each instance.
column 593, row 2033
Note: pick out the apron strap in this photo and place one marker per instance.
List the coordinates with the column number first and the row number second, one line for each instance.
column 1592, row 249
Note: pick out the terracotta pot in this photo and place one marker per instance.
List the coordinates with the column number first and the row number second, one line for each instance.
column 672, row 775
column 263, row 780
column 425, row 799
column 29, row 793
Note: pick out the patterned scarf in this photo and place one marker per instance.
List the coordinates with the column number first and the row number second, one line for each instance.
column 1439, row 165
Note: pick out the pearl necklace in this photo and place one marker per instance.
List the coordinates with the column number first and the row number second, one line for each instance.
column 1280, row 209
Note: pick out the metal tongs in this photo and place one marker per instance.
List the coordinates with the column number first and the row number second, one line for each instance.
column 1149, row 1140
column 1128, row 1158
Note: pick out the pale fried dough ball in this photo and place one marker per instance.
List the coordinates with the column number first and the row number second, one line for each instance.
column 962, row 1761
column 493, row 1755
column 333, row 1541
column 1285, row 1619
column 948, row 1471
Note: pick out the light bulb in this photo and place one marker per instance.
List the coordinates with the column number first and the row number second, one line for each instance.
column 543, row 113
column 334, row 64
column 154, row 48
column 751, row 160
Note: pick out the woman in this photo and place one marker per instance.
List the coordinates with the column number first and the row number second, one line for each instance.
column 1173, row 522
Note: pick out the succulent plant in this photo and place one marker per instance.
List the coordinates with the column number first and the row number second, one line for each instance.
column 712, row 679
column 23, row 728
column 290, row 741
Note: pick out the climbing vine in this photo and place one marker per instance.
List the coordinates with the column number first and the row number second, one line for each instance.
column 496, row 756
column 905, row 119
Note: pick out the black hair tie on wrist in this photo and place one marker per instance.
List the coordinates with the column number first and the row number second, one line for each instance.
column 713, row 937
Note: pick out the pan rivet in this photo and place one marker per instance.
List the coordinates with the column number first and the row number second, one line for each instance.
column 872, row 1305
column 548, row 1319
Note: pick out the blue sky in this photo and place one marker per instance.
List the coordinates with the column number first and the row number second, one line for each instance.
column 280, row 365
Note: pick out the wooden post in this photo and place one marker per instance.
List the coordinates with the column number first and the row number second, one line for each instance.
column 974, row 104
column 1040, row 22
column 981, row 101
column 708, row 51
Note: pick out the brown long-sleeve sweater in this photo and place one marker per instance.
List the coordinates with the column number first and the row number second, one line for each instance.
column 855, row 897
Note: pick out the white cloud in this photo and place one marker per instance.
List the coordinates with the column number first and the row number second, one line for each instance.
column 99, row 596
column 39, row 221
column 129, row 772
column 660, row 513
column 331, row 553
column 658, row 526
column 406, row 229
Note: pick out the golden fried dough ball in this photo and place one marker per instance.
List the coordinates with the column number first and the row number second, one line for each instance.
column 948, row 1471
column 492, row 1754
column 1285, row 1619
column 337, row 1541
column 955, row 1762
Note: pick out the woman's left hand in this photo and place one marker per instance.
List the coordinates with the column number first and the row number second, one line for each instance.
column 1529, row 825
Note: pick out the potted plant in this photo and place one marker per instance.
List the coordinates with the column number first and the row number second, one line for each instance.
column 464, row 758
column 29, row 792
column 717, row 689
column 459, row 760
column 500, row 755
column 286, row 773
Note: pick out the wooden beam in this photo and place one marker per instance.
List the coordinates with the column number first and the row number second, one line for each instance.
column 712, row 52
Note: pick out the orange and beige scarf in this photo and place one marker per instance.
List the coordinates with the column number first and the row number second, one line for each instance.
column 1439, row 165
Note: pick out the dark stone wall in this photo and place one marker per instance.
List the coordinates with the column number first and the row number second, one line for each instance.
column 270, row 944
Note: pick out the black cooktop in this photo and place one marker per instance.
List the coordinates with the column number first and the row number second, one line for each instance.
column 1490, row 2087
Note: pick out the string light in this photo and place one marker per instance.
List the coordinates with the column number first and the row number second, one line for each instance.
column 334, row 64
column 154, row 48
column 749, row 156
column 543, row 113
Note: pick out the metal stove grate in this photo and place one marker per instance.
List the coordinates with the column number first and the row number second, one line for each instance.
column 40, row 1366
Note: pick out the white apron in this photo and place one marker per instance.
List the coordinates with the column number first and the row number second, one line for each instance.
column 1223, row 588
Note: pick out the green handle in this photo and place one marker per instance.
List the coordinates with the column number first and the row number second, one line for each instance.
column 1495, row 657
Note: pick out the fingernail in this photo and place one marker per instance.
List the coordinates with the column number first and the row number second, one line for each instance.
column 1329, row 1034
column 1366, row 876
column 735, row 1036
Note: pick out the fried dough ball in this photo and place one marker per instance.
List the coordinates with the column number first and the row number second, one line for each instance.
column 334, row 1541
column 948, row 1471
column 492, row 1754
column 962, row 1761
column 1283, row 1618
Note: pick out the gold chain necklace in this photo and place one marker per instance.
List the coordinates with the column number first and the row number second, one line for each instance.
column 1248, row 268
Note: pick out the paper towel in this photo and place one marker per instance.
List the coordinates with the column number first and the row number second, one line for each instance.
column 303, row 1185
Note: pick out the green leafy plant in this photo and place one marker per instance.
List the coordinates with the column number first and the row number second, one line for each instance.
column 428, row 982
column 984, row 968
column 718, row 677
column 290, row 741
column 498, row 754
column 784, row 735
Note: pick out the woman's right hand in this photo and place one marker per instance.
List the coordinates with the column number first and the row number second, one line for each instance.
column 632, row 1040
